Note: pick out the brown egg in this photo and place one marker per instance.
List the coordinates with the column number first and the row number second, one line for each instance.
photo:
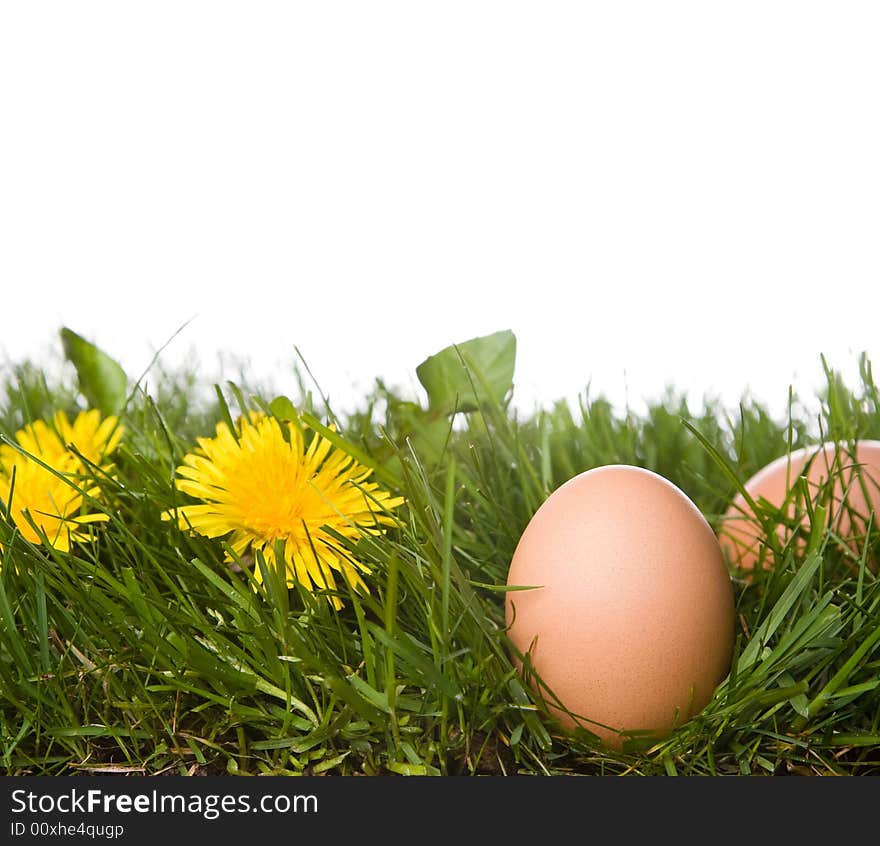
column 856, row 483
column 631, row 622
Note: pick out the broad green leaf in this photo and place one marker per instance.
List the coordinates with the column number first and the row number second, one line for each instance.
column 462, row 377
column 101, row 380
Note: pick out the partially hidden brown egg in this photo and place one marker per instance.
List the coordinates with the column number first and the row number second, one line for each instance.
column 629, row 622
column 848, row 474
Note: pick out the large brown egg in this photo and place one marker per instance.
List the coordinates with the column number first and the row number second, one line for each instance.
column 848, row 474
column 631, row 620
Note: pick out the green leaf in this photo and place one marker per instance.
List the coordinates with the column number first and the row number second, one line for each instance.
column 101, row 380
column 462, row 377
column 373, row 696
column 427, row 432
column 282, row 408
column 404, row 769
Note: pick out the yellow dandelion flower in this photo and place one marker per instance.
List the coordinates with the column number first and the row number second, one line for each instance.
column 265, row 487
column 43, row 504
column 43, row 484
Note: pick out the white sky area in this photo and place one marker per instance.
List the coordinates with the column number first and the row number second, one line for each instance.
column 647, row 194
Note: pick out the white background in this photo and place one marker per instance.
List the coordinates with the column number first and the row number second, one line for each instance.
column 646, row 193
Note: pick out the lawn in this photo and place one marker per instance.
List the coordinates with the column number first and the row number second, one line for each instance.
column 144, row 634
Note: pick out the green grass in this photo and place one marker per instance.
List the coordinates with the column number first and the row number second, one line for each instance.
column 144, row 652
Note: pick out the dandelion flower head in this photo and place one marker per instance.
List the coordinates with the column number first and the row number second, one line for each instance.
column 270, row 491
column 45, row 481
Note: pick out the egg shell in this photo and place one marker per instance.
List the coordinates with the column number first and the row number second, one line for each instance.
column 855, row 470
column 631, row 625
